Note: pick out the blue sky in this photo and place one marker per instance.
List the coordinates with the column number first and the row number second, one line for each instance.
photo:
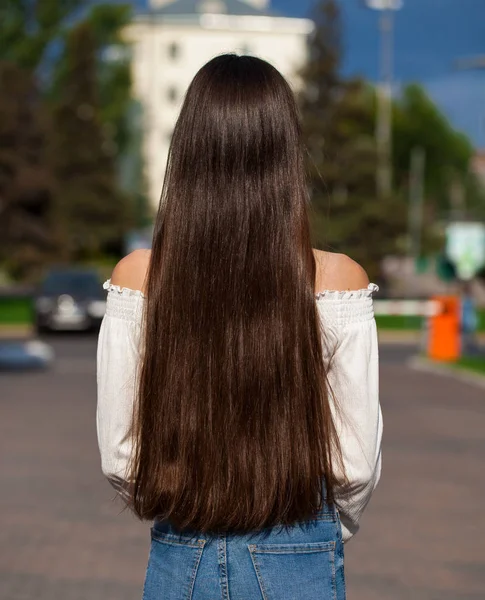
column 430, row 36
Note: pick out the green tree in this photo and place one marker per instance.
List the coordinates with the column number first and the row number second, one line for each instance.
column 93, row 135
column 27, row 225
column 417, row 122
column 93, row 212
column 338, row 121
column 113, row 69
column 29, row 29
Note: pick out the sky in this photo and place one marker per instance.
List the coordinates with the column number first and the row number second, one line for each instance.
column 430, row 36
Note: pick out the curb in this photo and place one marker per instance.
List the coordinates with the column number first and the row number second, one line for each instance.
column 426, row 366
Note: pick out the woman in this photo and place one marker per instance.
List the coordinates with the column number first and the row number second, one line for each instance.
column 238, row 398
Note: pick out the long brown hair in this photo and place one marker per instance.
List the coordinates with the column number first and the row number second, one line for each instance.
column 233, row 428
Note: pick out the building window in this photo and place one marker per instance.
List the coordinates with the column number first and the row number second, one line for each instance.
column 172, row 94
column 174, row 51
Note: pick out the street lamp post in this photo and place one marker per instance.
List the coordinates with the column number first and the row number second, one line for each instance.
column 384, row 94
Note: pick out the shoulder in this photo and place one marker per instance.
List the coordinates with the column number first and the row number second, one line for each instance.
column 338, row 272
column 132, row 270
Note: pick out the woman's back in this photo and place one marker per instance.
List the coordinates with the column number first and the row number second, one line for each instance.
column 235, row 394
column 296, row 563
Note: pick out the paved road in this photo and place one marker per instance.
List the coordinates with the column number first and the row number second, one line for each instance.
column 63, row 538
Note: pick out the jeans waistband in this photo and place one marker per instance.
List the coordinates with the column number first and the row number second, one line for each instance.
column 325, row 513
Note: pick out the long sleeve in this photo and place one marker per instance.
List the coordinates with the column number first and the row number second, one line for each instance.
column 348, row 326
column 118, row 358
column 354, row 385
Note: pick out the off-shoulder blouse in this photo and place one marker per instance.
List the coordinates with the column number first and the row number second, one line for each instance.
column 350, row 335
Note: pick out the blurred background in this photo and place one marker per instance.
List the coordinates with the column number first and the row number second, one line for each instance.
column 392, row 97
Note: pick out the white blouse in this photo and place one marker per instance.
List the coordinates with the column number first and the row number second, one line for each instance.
column 350, row 332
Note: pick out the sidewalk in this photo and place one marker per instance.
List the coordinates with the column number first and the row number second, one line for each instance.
column 425, row 365
column 400, row 338
column 395, row 336
column 16, row 332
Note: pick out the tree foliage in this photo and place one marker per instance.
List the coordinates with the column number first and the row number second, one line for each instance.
column 30, row 28
column 113, row 69
column 338, row 119
column 339, row 116
column 93, row 211
column 70, row 56
column 418, row 123
column 27, row 228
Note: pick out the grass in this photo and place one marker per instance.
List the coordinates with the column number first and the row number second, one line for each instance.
column 475, row 364
column 16, row 311
column 397, row 323
column 19, row 311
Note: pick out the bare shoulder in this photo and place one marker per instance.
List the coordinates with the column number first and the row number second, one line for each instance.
column 338, row 272
column 132, row 270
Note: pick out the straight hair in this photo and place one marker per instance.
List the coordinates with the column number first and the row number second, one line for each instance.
column 233, row 428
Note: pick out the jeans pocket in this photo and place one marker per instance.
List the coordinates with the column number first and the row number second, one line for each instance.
column 172, row 566
column 295, row 571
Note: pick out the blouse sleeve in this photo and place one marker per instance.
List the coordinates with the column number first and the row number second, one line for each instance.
column 118, row 357
column 354, row 391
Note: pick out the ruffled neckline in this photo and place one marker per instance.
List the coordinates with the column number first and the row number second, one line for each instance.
column 325, row 295
column 367, row 292
column 122, row 291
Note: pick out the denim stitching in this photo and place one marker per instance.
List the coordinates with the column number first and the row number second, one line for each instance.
column 225, row 567
column 222, row 560
column 177, row 540
column 342, row 552
column 334, row 576
column 198, row 556
column 326, row 517
column 339, row 526
column 344, row 585
column 309, row 548
column 254, row 549
column 262, row 587
column 146, row 572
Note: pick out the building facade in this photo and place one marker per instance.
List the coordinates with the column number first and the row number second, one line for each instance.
column 175, row 38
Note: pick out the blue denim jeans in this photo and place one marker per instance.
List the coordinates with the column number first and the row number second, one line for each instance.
column 301, row 562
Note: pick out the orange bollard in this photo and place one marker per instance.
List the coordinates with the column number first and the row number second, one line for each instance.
column 444, row 342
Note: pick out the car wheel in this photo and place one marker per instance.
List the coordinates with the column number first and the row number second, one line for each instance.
column 41, row 329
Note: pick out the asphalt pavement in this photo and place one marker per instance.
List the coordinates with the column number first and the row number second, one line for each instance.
column 64, row 537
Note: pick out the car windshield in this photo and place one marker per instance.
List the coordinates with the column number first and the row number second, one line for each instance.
column 71, row 282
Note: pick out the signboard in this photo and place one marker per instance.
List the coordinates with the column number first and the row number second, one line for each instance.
column 465, row 248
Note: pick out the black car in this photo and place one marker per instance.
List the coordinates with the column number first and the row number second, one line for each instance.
column 69, row 300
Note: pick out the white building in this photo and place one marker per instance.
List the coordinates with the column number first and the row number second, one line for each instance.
column 176, row 37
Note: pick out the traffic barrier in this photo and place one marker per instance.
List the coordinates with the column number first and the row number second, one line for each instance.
column 442, row 319
column 444, row 330
column 407, row 308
